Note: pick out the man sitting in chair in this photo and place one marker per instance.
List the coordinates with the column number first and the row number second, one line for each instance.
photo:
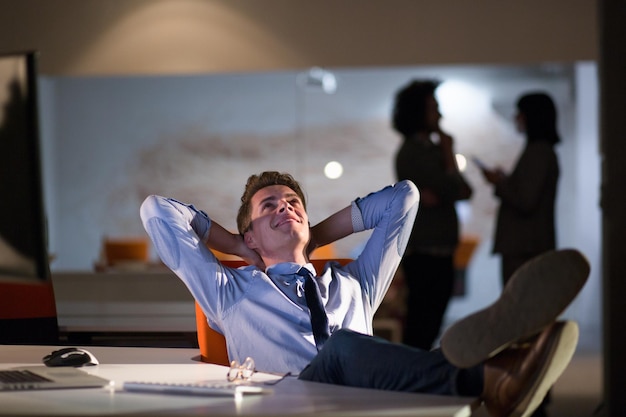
column 292, row 319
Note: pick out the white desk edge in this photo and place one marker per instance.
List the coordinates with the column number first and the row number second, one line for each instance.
column 291, row 397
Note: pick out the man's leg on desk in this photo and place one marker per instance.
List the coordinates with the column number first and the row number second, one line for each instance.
column 510, row 371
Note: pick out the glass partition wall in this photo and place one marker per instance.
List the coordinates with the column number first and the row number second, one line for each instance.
column 114, row 140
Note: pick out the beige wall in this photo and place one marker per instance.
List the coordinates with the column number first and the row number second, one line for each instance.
column 93, row 37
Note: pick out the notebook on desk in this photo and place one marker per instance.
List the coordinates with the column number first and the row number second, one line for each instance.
column 43, row 377
column 207, row 388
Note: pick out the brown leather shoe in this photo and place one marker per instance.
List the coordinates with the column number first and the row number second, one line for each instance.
column 518, row 378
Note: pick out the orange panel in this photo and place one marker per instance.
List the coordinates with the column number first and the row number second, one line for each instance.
column 25, row 301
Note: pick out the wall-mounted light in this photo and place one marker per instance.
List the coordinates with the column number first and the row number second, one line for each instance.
column 318, row 79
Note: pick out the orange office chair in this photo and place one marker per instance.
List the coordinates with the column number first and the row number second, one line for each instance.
column 212, row 344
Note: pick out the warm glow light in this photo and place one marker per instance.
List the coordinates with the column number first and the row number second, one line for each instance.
column 461, row 162
column 460, row 100
column 333, row 170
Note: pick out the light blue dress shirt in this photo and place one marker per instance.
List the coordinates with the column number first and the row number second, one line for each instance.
column 263, row 314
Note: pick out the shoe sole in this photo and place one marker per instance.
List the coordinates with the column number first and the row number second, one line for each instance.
column 535, row 296
column 559, row 356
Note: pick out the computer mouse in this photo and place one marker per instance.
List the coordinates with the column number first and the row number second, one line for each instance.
column 71, row 356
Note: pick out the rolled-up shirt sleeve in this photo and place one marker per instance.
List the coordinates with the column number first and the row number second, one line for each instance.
column 391, row 213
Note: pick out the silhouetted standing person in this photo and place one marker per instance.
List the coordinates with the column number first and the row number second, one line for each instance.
column 525, row 225
column 427, row 158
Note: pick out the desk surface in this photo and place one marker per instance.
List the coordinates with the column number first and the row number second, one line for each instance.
column 291, row 397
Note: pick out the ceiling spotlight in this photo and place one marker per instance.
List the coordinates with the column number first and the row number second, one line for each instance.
column 333, row 170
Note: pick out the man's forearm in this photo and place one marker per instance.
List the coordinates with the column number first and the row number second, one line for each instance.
column 223, row 240
column 333, row 228
column 233, row 244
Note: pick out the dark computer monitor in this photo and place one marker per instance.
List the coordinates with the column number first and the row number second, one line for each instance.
column 27, row 304
column 23, row 246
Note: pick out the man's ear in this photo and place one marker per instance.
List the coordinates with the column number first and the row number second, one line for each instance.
column 249, row 240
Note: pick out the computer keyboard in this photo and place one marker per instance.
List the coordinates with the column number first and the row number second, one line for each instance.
column 199, row 388
column 15, row 376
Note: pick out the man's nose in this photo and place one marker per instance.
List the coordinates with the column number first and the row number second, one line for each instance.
column 284, row 205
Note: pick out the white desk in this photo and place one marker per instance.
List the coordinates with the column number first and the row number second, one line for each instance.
column 291, row 397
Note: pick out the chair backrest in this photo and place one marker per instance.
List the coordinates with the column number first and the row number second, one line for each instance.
column 212, row 344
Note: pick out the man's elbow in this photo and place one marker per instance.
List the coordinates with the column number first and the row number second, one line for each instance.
column 412, row 194
column 149, row 207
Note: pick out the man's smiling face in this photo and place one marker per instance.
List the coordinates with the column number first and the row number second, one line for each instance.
column 279, row 222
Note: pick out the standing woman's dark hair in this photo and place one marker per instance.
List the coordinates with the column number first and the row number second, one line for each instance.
column 540, row 116
column 409, row 108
